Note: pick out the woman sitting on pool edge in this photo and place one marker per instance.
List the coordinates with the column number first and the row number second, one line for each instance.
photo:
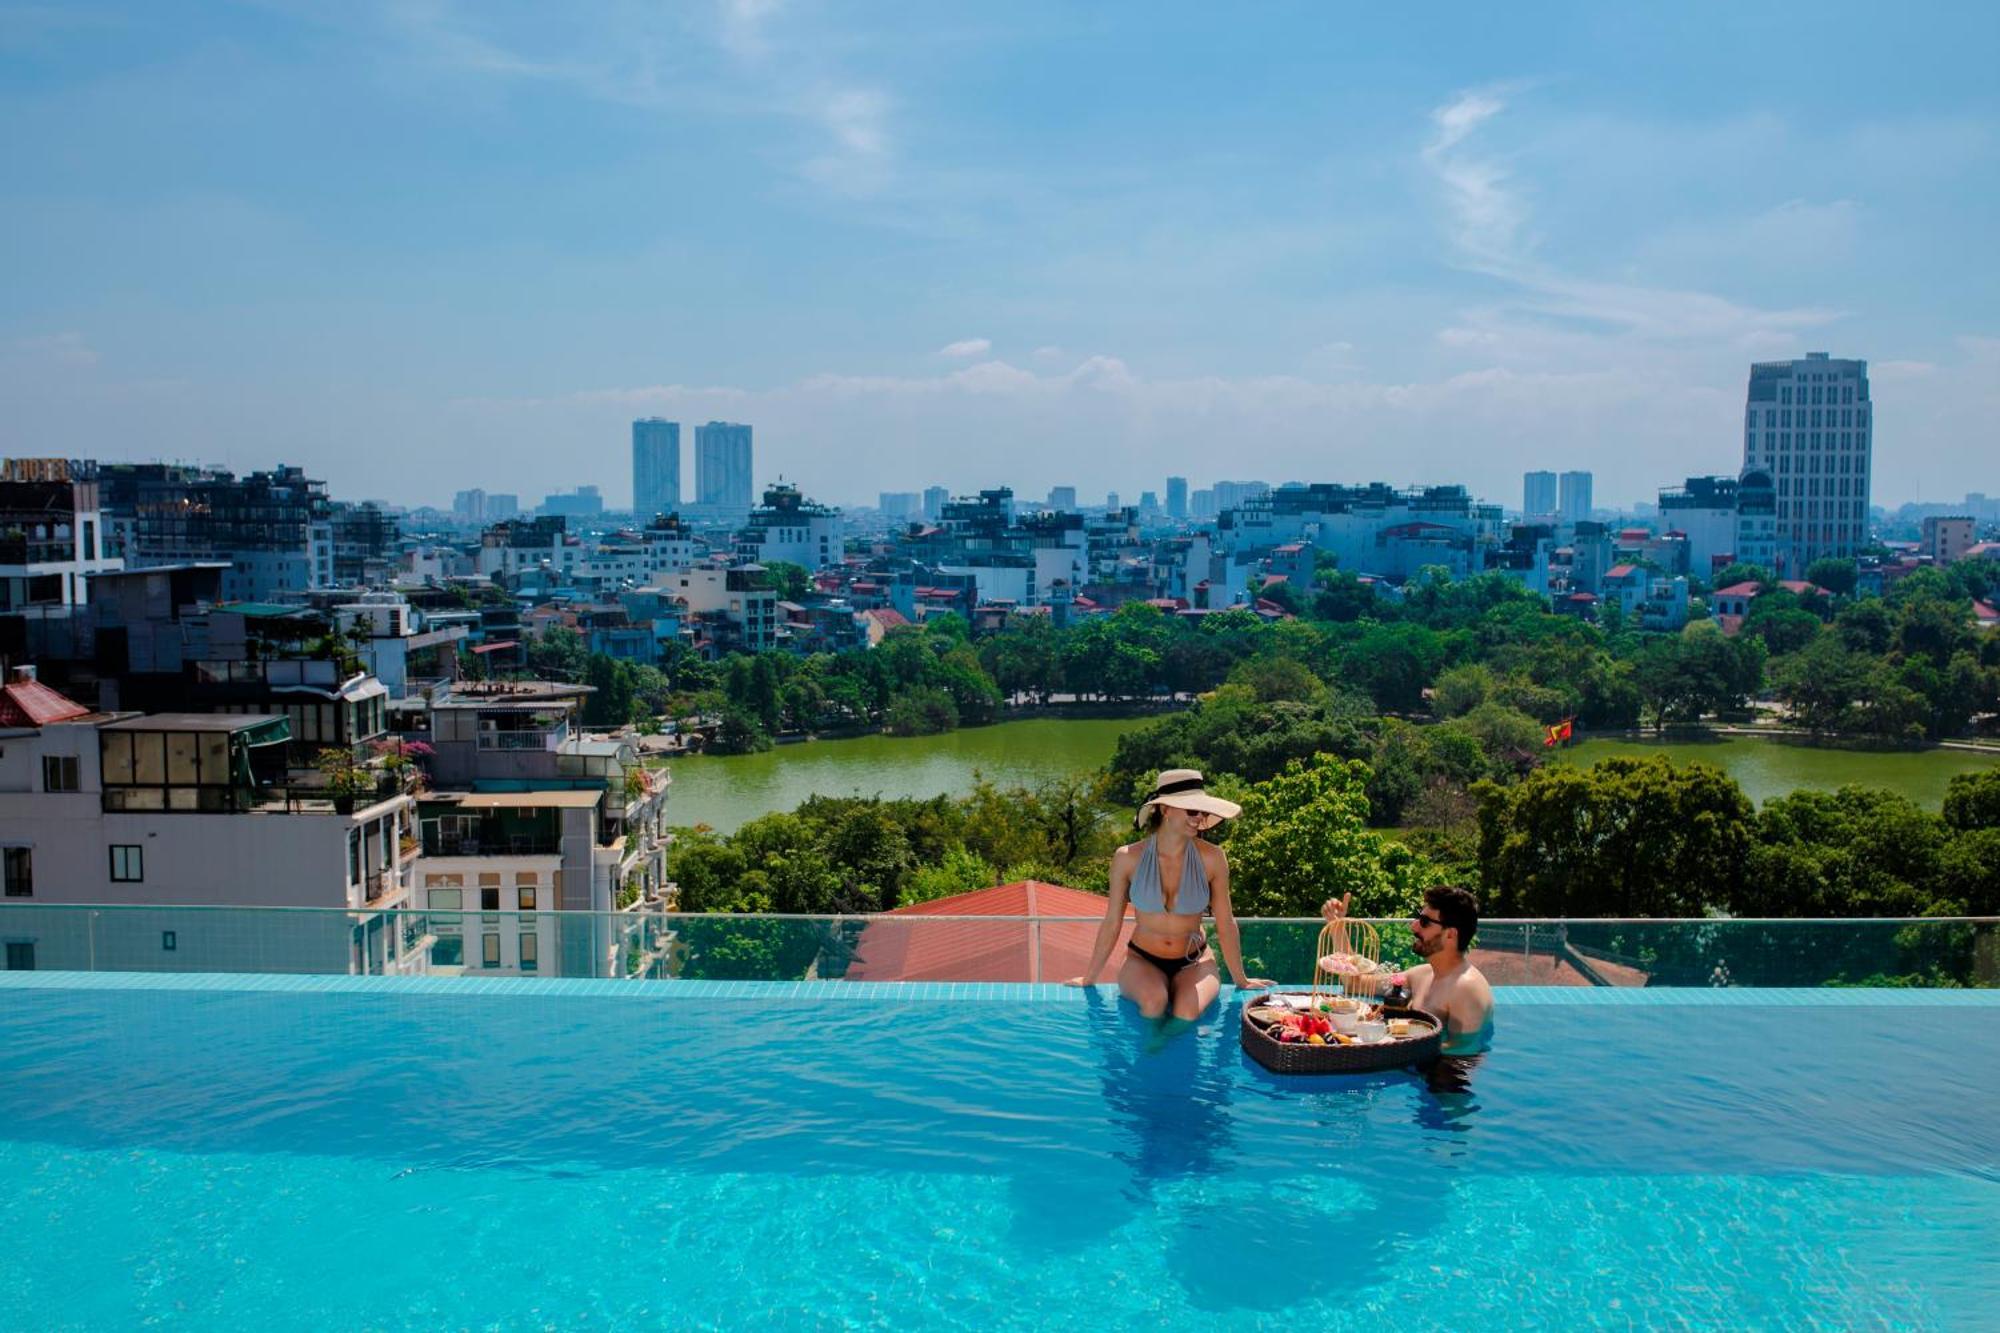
column 1171, row 878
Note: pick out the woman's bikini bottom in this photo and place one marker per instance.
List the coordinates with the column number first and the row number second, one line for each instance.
column 1169, row 967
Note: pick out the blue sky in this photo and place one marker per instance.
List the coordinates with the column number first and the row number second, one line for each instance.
column 416, row 244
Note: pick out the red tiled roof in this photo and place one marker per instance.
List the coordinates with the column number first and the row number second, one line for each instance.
column 1800, row 586
column 29, row 703
column 1749, row 588
column 1007, row 947
column 888, row 617
column 1984, row 612
column 1619, row 571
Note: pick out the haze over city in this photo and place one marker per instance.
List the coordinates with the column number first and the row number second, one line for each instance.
column 413, row 247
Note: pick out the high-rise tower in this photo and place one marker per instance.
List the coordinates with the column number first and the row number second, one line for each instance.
column 656, row 468
column 1810, row 425
column 722, row 467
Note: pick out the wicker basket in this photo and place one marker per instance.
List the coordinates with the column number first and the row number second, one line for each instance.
column 1294, row 1057
column 1348, row 959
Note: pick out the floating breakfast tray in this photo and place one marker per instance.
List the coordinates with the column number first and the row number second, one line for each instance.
column 1295, row 1057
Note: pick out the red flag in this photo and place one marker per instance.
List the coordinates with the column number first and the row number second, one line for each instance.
column 1561, row 731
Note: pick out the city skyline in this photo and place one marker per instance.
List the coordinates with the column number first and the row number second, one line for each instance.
column 411, row 247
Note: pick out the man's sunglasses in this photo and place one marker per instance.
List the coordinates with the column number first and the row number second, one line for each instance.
column 1425, row 919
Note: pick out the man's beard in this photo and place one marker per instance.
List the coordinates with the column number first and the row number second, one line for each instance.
column 1426, row 947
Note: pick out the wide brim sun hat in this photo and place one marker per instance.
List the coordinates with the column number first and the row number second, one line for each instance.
column 1182, row 789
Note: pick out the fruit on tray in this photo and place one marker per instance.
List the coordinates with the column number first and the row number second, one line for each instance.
column 1348, row 964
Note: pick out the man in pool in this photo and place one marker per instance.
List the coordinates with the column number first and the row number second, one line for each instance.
column 1445, row 983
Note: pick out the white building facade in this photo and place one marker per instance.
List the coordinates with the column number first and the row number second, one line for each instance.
column 1811, row 425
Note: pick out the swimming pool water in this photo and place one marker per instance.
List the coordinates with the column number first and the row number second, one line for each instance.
column 381, row 1156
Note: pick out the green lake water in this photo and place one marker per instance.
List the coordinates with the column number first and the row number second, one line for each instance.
column 1765, row 768
column 727, row 791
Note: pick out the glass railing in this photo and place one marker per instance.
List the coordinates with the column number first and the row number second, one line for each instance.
column 640, row 944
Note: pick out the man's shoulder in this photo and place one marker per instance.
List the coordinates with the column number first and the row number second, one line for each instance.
column 1476, row 980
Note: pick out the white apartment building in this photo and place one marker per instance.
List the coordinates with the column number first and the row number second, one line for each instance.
column 127, row 812
column 752, row 611
column 1810, row 424
column 523, row 883
column 789, row 527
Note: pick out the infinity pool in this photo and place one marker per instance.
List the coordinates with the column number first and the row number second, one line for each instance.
column 310, row 1153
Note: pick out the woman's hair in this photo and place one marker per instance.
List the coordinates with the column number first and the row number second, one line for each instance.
column 1151, row 823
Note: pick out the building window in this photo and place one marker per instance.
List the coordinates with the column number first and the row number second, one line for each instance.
column 20, row 955
column 527, row 898
column 128, row 863
column 489, row 950
column 531, row 952
column 448, row 951
column 59, row 773
column 489, row 903
column 170, row 941
column 20, row 871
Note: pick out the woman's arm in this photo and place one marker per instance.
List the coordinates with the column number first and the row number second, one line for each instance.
column 1114, row 919
column 1225, row 925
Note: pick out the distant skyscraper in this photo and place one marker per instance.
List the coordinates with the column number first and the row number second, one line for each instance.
column 583, row 502
column 1810, row 425
column 656, row 467
column 1177, row 497
column 1111, row 499
column 1232, row 494
column 900, row 504
column 1201, row 504
column 1149, row 502
column 502, row 505
column 1574, row 501
column 469, row 506
column 935, row 499
column 1062, row 498
column 722, row 466
column 1538, row 494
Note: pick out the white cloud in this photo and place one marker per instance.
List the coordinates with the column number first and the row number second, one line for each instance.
column 966, row 347
column 1489, row 216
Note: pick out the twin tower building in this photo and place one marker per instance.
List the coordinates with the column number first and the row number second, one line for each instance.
column 722, row 469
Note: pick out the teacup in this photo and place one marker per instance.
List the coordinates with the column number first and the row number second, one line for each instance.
column 1346, row 1020
column 1373, row 1030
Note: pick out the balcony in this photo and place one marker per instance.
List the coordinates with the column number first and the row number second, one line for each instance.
column 526, row 739
column 492, row 844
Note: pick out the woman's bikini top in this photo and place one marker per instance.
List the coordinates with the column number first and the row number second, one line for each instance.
column 1191, row 899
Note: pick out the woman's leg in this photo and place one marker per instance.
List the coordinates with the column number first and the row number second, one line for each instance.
column 1141, row 983
column 1195, row 988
